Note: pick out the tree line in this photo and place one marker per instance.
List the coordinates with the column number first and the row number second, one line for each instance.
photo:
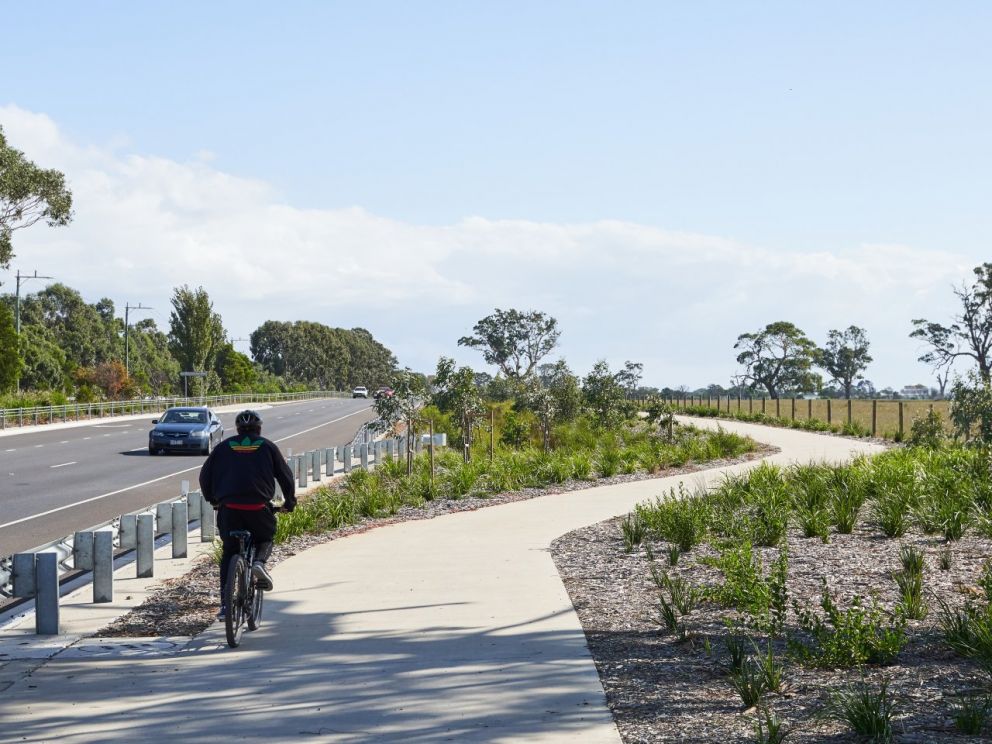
column 67, row 346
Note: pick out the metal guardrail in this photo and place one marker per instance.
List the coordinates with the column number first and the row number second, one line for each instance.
column 81, row 411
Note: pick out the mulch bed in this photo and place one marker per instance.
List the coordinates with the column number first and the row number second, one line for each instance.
column 663, row 690
column 185, row 606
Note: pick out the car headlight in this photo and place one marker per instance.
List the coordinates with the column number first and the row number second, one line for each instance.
column 198, row 434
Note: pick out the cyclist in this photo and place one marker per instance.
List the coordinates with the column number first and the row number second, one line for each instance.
column 239, row 479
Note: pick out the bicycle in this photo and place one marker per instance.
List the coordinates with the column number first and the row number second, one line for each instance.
column 242, row 595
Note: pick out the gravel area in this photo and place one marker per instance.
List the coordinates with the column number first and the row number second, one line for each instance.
column 661, row 689
column 185, row 606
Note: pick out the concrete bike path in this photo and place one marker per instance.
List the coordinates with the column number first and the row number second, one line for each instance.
column 456, row 628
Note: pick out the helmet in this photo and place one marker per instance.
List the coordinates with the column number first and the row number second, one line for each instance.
column 247, row 420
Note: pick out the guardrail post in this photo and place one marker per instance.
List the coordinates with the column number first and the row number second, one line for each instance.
column 23, row 575
column 129, row 530
column 180, row 529
column 82, row 551
column 208, row 521
column 315, row 464
column 346, row 457
column 163, row 518
column 329, row 458
column 301, row 464
column 193, row 505
column 103, row 566
column 183, row 487
column 146, row 545
column 363, row 455
column 46, row 603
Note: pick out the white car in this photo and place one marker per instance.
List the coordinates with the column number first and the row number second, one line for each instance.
column 360, row 392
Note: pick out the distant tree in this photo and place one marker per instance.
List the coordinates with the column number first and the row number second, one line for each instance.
column 152, row 365
column 514, row 341
column 196, row 333
column 237, row 373
column 630, row 376
column 10, row 359
column 971, row 409
column 778, row 357
column 44, row 360
column 968, row 336
column 845, row 357
column 28, row 194
column 110, row 378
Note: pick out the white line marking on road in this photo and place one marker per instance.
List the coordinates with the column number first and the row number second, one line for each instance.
column 87, row 437
column 112, row 426
column 156, row 480
column 63, row 464
column 64, row 441
column 38, row 445
column 11, row 450
column 138, row 449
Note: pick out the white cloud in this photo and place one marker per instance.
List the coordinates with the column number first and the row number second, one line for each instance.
column 674, row 300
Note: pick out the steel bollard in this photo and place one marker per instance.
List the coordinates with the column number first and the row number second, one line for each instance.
column 193, row 505
column 180, row 529
column 363, row 454
column 146, row 546
column 346, row 458
column 329, row 462
column 129, row 530
column 23, row 575
column 183, row 487
column 46, row 603
column 82, row 551
column 208, row 521
column 163, row 518
column 301, row 463
column 315, row 465
column 103, row 566
column 389, row 450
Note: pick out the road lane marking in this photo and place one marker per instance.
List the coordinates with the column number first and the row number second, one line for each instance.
column 64, row 441
column 156, row 480
column 87, row 437
column 11, row 450
column 38, row 445
column 63, row 464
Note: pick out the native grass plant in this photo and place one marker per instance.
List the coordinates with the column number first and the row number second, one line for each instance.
column 866, row 709
column 985, row 580
column 810, row 500
column 971, row 713
column 968, row 631
column 768, row 729
column 847, row 497
column 749, row 682
column 679, row 518
column 945, row 559
column 633, row 531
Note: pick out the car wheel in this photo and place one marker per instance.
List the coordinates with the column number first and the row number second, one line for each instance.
column 209, row 445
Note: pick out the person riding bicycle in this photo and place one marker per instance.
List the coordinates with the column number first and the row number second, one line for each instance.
column 239, row 479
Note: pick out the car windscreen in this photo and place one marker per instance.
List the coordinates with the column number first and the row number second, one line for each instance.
column 184, row 417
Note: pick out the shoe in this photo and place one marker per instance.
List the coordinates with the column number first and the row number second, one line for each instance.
column 222, row 613
column 261, row 576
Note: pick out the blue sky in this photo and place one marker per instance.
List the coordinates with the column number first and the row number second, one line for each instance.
column 849, row 137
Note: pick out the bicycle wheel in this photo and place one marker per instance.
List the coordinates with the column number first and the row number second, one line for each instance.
column 234, row 598
column 254, row 606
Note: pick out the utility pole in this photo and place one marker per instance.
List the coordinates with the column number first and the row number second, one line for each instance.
column 17, row 304
column 127, row 346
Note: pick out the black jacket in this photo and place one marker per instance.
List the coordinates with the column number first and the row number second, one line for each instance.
column 244, row 470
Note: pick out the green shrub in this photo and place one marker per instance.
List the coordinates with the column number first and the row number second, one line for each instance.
column 928, row 431
column 749, row 682
column 678, row 518
column 609, row 461
column 847, row 638
column 632, row 529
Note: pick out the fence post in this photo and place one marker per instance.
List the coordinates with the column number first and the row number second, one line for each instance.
column 363, row 454
column 129, row 530
column 46, row 602
column 849, row 411
column 315, row 465
column 180, row 529
column 778, row 408
column 346, row 457
column 301, row 464
column 762, row 403
column 82, row 551
column 103, row 566
column 146, row 546
column 874, row 418
column 830, row 417
column 793, row 409
column 163, row 518
column 901, row 420
column 329, row 459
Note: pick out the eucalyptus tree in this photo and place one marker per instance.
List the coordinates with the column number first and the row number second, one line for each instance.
column 845, row 357
column 28, row 194
column 10, row 359
column 454, row 390
column 514, row 341
column 778, row 357
column 968, row 335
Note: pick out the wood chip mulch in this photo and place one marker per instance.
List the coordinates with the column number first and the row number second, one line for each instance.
column 663, row 690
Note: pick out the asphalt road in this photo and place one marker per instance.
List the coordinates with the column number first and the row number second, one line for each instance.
column 56, row 480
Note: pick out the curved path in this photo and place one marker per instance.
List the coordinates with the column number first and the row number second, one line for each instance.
column 456, row 628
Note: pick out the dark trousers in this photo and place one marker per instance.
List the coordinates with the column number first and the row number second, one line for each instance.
column 262, row 526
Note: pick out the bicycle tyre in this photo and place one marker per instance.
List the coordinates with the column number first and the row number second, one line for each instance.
column 255, row 608
column 235, row 600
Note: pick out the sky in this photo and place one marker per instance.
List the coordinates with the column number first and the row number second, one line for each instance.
column 660, row 177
